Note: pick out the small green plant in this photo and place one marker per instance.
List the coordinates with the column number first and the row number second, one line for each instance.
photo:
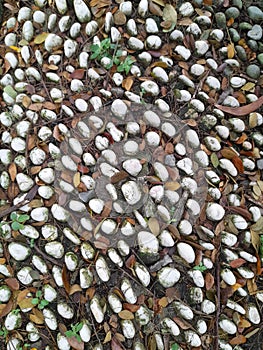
column 200, row 267
column 111, row 51
column 3, row 332
column 17, row 221
column 175, row 346
column 39, row 301
column 125, row 66
column 102, row 50
column 74, row 331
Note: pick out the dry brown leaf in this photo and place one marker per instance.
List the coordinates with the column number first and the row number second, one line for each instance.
column 75, row 288
column 127, row 83
column 6, row 308
column 228, row 153
column 243, row 323
column 172, row 185
column 252, row 286
column 21, row 295
column 36, row 107
column 154, row 226
column 237, row 263
column 121, row 175
column 107, row 337
column 25, row 303
column 50, row 105
column 126, row 315
column 78, row 74
column 76, row 345
column 209, row 281
column 163, row 302
column 230, row 50
column 155, row 9
column 241, row 111
column 115, row 344
column 65, row 279
column 182, row 323
column 255, row 239
column 239, row 339
column 26, row 101
column 238, row 164
column 12, row 283
column 76, row 179
column 37, row 316
column 131, row 307
column 12, row 171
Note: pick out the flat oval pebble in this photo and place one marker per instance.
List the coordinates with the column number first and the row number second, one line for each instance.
column 186, row 252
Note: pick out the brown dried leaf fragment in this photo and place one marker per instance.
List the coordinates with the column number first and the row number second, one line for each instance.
column 241, row 111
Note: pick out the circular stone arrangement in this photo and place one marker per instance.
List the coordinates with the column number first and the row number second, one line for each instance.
column 129, row 171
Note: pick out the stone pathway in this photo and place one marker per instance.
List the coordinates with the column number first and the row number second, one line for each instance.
column 131, row 185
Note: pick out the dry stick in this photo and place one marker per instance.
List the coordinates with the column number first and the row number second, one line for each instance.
column 55, row 262
column 218, row 296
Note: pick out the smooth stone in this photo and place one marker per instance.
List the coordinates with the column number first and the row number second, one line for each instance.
column 24, row 182
column 52, row 41
column 183, row 52
column 255, row 13
column 227, row 326
column 153, row 42
column 82, row 11
column 135, row 44
column 220, row 20
column 150, row 87
column 227, row 165
column 255, row 33
column 253, row 71
column 19, row 251
column 232, row 12
column 55, row 249
column 132, row 166
column 148, row 243
column 59, row 213
column 186, row 252
column 215, row 212
column 131, row 192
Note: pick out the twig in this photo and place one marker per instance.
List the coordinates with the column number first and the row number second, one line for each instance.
column 55, row 262
column 218, row 296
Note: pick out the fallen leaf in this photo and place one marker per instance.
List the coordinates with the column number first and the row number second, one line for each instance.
column 115, row 345
column 12, row 171
column 121, row 175
column 127, row 83
column 163, row 302
column 39, row 39
column 131, row 307
column 76, row 179
column 182, row 323
column 78, row 74
column 258, row 226
column 126, row 315
column 25, row 303
column 252, row 286
column 228, row 153
column 243, row 323
column 241, row 111
column 237, row 263
column 154, row 226
column 75, row 288
column 65, row 279
column 239, row 339
column 12, row 283
column 22, row 295
column 77, row 345
column 248, row 86
column 107, row 337
column 230, row 50
column 209, row 281
column 255, row 239
column 169, row 13
column 6, row 308
column 214, row 160
column 172, row 185
column 238, row 164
